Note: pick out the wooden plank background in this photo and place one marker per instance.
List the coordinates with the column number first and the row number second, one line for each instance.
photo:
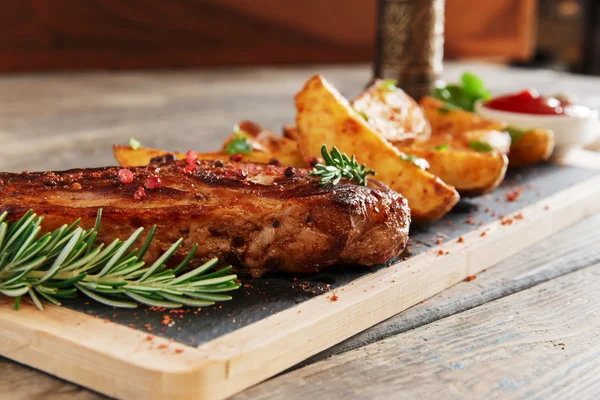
column 97, row 34
column 58, row 121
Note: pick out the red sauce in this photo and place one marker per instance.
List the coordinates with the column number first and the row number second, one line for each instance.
column 529, row 102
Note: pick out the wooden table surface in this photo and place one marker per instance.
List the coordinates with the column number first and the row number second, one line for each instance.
column 526, row 328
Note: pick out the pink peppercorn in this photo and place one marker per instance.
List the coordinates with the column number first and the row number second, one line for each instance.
column 140, row 193
column 154, row 183
column 125, row 175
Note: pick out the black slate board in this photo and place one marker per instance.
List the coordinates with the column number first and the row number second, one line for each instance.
column 262, row 297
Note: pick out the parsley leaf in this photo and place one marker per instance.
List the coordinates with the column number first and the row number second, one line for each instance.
column 483, row 147
column 442, row 147
column 447, row 108
column 516, row 133
column 362, row 114
column 239, row 145
column 463, row 95
column 419, row 162
column 134, row 143
column 389, row 84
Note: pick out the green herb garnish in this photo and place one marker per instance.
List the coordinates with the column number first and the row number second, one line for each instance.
column 419, row 162
column 516, row 133
column 362, row 114
column 240, row 144
column 442, row 147
column 447, row 108
column 61, row 264
column 389, row 84
column 463, row 95
column 134, row 143
column 338, row 166
column 483, row 147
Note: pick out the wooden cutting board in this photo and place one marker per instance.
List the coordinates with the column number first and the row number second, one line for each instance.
column 277, row 321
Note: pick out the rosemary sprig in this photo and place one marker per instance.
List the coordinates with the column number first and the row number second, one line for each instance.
column 60, row 264
column 338, row 166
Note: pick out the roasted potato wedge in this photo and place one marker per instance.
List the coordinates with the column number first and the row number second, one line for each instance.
column 531, row 147
column 324, row 116
column 450, row 158
column 290, row 131
column 393, row 113
column 472, row 173
column 283, row 149
column 128, row 157
column 455, row 121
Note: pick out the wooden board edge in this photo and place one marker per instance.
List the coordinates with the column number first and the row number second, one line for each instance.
column 151, row 369
column 107, row 357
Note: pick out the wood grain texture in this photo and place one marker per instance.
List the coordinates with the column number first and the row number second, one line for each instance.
column 19, row 382
column 563, row 253
column 62, row 121
column 539, row 343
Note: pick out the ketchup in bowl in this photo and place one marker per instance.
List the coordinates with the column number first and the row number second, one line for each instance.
column 574, row 125
column 529, row 101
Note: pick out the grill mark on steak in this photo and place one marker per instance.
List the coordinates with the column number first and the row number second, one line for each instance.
column 253, row 215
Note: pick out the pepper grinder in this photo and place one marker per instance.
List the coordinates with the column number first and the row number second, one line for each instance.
column 410, row 44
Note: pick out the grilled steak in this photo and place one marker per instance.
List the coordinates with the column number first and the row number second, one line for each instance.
column 262, row 217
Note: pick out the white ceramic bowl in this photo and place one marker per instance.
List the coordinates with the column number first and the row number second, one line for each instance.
column 569, row 130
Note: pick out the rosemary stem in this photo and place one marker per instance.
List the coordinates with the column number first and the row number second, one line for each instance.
column 39, row 274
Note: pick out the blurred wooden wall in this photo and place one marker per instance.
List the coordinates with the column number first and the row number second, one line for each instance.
column 98, row 34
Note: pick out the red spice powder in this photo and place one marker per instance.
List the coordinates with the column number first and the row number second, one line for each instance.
column 514, row 195
column 166, row 320
column 125, row 176
column 545, row 207
column 178, row 351
column 334, row 297
column 470, row 278
column 483, row 233
column 519, row 216
column 163, row 346
column 140, row 193
column 154, row 183
column 506, row 221
column 461, row 239
column 438, row 240
column 470, row 221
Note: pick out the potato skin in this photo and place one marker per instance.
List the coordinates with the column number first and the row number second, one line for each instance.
column 128, row 157
column 395, row 115
column 471, row 173
column 324, row 116
column 533, row 147
column 266, row 146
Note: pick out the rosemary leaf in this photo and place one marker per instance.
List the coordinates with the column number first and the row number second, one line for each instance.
column 61, row 264
column 338, row 166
